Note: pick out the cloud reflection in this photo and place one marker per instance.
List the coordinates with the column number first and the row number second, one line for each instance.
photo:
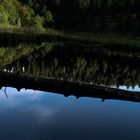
column 32, row 115
column 44, row 114
column 29, row 102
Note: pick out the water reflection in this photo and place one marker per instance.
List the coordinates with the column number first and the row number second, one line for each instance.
column 37, row 115
column 78, row 62
column 136, row 88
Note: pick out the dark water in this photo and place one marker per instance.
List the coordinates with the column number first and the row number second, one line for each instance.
column 40, row 116
column 37, row 115
column 116, row 66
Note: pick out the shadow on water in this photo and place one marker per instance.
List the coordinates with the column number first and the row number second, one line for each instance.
column 72, row 68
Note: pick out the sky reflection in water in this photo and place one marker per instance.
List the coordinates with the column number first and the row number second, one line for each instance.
column 136, row 88
column 40, row 116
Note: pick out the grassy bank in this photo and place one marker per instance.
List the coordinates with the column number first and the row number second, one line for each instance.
column 27, row 31
column 13, row 35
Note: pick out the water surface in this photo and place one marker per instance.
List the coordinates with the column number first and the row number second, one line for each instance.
column 37, row 115
column 40, row 115
column 97, row 64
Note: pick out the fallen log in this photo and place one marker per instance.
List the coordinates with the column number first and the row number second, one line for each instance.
column 67, row 88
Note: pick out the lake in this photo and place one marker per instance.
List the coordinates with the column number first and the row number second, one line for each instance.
column 40, row 115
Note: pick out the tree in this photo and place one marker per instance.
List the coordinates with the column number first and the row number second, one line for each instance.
column 26, row 14
column 48, row 17
column 3, row 15
column 12, row 11
column 38, row 22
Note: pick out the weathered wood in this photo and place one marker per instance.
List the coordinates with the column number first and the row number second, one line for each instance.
column 67, row 88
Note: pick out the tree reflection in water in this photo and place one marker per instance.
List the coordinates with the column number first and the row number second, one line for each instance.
column 79, row 62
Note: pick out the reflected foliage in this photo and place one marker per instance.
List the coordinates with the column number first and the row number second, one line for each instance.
column 79, row 62
column 15, row 53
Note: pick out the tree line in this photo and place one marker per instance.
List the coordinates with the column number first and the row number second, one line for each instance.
column 92, row 15
column 16, row 13
column 89, row 15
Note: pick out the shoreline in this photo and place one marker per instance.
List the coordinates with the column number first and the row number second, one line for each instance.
column 31, row 36
column 66, row 88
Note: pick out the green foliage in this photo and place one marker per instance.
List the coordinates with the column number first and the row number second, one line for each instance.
column 90, row 15
column 3, row 15
column 26, row 15
column 9, row 6
column 38, row 22
column 15, row 13
column 15, row 53
column 49, row 17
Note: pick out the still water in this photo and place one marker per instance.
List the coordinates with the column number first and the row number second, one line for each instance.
column 76, row 62
column 36, row 115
